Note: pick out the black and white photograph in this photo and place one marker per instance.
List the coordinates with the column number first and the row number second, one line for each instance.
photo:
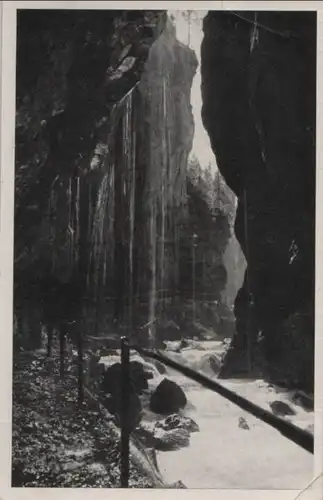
column 164, row 248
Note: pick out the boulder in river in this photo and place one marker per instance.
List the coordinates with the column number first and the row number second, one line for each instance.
column 160, row 367
column 167, row 398
column 209, row 364
column 310, row 428
column 281, row 409
column 177, row 421
column 304, row 400
column 177, row 485
column 243, row 424
column 113, row 403
column 171, row 440
column 111, row 380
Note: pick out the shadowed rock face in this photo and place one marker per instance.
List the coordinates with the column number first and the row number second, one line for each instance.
column 104, row 128
column 259, row 95
column 67, row 84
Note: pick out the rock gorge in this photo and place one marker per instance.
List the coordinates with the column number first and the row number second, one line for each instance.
column 114, row 229
column 259, row 107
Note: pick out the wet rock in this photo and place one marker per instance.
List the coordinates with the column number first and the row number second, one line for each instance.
column 177, row 485
column 113, row 403
column 111, row 382
column 303, row 400
column 282, row 409
column 184, row 343
column 310, row 428
column 126, row 65
column 168, row 398
column 243, row 424
column 209, row 364
column 173, row 347
column 160, row 367
column 160, row 344
column 176, row 421
column 138, row 371
column 108, row 352
column 170, row 440
column 96, row 369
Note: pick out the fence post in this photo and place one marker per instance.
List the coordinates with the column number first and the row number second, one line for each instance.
column 125, row 434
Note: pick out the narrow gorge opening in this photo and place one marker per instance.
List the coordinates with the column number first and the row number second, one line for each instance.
column 204, row 175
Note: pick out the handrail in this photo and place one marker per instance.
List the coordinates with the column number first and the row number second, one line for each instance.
column 299, row 436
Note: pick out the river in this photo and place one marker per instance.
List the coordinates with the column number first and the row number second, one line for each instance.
column 223, row 455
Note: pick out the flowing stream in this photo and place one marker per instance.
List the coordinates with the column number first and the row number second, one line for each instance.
column 224, row 455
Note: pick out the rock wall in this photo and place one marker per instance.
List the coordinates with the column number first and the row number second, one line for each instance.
column 105, row 212
column 259, row 98
column 72, row 68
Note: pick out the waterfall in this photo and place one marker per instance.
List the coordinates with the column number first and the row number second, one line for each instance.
column 129, row 135
column 161, row 99
column 118, row 154
column 164, row 172
column 102, row 227
column 152, row 293
column 164, row 88
column 64, row 225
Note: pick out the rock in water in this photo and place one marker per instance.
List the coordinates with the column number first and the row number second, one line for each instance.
column 113, row 404
column 243, row 424
column 178, row 485
column 304, row 400
column 160, row 367
column 209, row 364
column 167, row 398
column 310, row 428
column 176, row 421
column 281, row 409
column 173, row 439
column 111, row 381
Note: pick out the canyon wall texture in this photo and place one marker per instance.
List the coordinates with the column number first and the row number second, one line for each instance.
column 105, row 213
column 259, row 99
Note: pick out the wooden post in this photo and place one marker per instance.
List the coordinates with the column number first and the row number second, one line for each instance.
column 125, row 434
column 62, row 351
column 80, row 366
column 49, row 339
column 248, row 322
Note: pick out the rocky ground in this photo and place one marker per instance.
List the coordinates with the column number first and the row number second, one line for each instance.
column 54, row 442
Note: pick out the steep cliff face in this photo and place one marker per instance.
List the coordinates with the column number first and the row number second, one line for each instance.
column 72, row 68
column 106, row 214
column 259, row 94
column 144, row 162
column 66, row 86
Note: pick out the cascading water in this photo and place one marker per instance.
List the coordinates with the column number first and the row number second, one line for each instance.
column 169, row 120
column 132, row 184
column 115, row 201
column 64, row 231
column 102, row 226
column 168, row 133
